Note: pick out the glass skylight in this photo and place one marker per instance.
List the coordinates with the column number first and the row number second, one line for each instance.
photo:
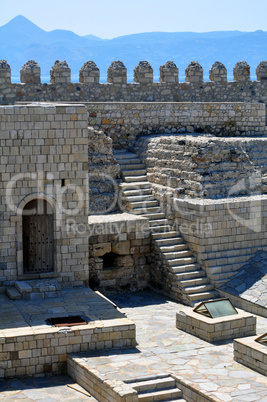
column 216, row 308
column 262, row 339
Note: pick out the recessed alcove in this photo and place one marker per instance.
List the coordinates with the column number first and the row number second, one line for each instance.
column 110, row 261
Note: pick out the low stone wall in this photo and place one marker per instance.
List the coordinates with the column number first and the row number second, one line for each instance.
column 119, row 252
column 216, row 329
column 252, row 354
column 223, row 234
column 101, row 389
column 126, row 121
column 46, row 351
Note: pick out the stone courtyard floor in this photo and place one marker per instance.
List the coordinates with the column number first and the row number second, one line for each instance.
column 161, row 348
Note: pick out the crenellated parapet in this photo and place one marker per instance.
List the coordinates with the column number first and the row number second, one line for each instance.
column 5, row 72
column 30, row 73
column 89, row 73
column 194, row 72
column 60, row 73
column 169, row 73
column 143, row 89
column 261, row 71
column 218, row 73
column 117, row 73
column 241, row 71
column 143, row 73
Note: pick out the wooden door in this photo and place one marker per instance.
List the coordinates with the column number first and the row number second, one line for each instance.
column 38, row 239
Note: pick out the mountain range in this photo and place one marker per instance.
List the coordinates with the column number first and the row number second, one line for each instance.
column 21, row 40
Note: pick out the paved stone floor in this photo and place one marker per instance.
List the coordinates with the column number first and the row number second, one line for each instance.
column 164, row 349
column 250, row 281
column 161, row 348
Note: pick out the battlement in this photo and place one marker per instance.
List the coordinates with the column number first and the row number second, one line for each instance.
column 143, row 89
column 143, row 72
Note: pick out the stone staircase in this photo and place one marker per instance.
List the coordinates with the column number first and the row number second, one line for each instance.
column 188, row 280
column 34, row 289
column 157, row 388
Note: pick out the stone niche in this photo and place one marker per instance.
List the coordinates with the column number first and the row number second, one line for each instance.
column 216, row 329
column 251, row 353
column 119, row 252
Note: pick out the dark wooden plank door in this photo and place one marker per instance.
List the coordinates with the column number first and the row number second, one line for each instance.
column 38, row 243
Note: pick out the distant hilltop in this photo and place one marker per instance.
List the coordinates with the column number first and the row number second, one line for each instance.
column 21, row 40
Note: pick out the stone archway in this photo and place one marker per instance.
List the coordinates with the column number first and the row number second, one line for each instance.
column 38, row 237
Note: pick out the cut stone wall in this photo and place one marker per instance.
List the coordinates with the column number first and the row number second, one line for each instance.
column 125, row 122
column 223, row 234
column 119, row 252
column 44, row 155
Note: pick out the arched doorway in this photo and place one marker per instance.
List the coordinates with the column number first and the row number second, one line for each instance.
column 38, row 237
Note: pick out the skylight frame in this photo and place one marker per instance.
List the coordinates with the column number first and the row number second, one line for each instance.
column 203, row 309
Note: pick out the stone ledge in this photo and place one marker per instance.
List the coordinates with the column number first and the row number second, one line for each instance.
column 251, row 354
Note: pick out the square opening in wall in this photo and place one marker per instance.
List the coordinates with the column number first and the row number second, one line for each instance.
column 67, row 321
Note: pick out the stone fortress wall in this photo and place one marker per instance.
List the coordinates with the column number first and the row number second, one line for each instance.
column 144, row 89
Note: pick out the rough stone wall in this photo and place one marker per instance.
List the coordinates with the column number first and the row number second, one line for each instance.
column 125, row 122
column 204, row 166
column 44, row 155
column 143, row 90
column 123, row 241
column 103, row 171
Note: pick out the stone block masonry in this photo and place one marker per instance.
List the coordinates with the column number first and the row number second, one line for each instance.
column 119, row 252
column 125, row 122
column 144, row 89
column 44, row 156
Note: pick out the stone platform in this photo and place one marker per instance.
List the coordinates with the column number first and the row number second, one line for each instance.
column 203, row 372
column 30, row 346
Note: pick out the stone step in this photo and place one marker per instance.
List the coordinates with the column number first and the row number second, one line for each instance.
column 143, row 204
column 134, row 166
column 189, row 275
column 135, row 186
column 192, row 282
column 147, row 210
column 154, row 216
column 154, row 384
column 161, row 395
column 158, row 222
column 130, row 179
column 184, row 268
column 160, row 229
column 23, row 287
column 139, row 172
column 181, row 261
column 163, row 236
column 124, row 155
column 171, row 248
column 171, row 241
column 140, row 198
column 138, row 191
column 176, row 254
column 198, row 289
column 197, row 298
column 13, row 293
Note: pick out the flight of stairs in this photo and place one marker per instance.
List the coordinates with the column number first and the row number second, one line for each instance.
column 187, row 276
column 158, row 388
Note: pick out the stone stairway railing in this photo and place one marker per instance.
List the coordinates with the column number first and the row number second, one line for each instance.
column 183, row 279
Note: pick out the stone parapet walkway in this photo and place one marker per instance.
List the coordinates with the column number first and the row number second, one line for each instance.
column 161, row 348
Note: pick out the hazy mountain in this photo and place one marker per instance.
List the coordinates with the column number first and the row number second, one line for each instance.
column 21, row 40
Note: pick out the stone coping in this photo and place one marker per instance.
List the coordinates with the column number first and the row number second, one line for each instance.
column 95, row 219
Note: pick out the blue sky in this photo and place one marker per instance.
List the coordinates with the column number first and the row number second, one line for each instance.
column 112, row 18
